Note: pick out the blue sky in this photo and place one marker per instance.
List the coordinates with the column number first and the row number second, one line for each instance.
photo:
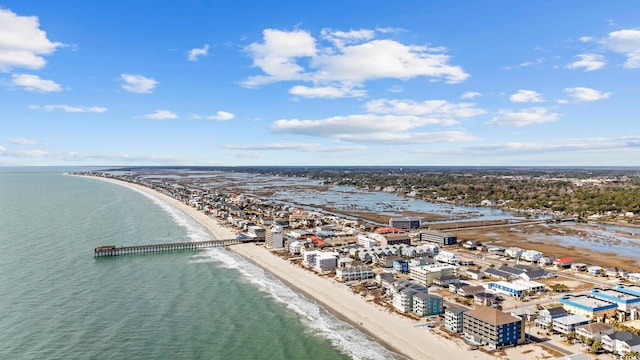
column 536, row 83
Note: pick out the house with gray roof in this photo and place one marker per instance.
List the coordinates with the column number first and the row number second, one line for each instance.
column 594, row 331
column 621, row 342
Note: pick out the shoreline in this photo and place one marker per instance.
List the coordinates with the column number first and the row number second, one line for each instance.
column 212, row 225
column 327, row 307
column 397, row 333
column 392, row 331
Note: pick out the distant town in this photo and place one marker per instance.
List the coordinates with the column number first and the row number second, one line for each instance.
column 491, row 297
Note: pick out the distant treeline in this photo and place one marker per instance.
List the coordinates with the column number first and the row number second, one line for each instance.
column 573, row 191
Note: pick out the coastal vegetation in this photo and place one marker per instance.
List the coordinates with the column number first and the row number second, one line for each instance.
column 612, row 194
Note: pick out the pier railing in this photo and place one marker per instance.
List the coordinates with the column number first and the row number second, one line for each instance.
column 113, row 250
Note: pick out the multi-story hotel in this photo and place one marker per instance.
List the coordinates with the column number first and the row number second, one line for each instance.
column 487, row 325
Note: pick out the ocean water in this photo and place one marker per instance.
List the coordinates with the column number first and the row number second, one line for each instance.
column 59, row 302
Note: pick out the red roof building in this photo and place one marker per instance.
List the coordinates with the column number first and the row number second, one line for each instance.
column 563, row 262
column 389, row 230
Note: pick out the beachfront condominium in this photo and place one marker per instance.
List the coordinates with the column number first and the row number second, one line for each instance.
column 487, row 325
column 425, row 275
column 273, row 238
column 425, row 304
column 453, row 316
column 356, row 272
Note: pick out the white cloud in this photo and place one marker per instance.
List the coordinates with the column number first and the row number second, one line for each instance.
column 249, row 155
column 526, row 64
column 35, row 153
column 2, row 149
column 22, row 141
column 585, row 39
column 339, row 126
column 411, row 138
column 277, row 55
column 194, row 54
column 161, row 115
column 70, row 109
column 626, row 42
column 526, row 96
column 138, row 83
column 470, row 95
column 306, row 147
column 220, row 116
column 557, row 146
column 534, row 115
column 341, row 38
column 35, row 83
column 432, row 108
column 350, row 58
column 326, row 92
column 379, row 59
column 390, row 30
column 586, row 94
column 115, row 159
column 22, row 43
column 589, row 62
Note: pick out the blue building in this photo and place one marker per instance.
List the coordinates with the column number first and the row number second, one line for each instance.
column 629, row 289
column 591, row 307
column 487, row 325
column 401, row 266
column 625, row 300
column 425, row 304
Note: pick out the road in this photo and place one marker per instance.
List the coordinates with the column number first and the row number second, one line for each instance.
column 546, row 342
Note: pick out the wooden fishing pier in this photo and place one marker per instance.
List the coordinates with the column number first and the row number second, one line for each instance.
column 113, row 250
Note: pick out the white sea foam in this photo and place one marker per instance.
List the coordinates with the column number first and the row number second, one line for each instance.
column 342, row 335
column 195, row 232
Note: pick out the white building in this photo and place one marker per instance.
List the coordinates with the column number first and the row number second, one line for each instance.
column 621, row 342
column 366, row 241
column 295, row 247
column 447, row 258
column 309, row 257
column 516, row 288
column 273, row 238
column 513, row 252
column 569, row 323
column 531, row 255
column 427, row 273
column 351, row 273
column 635, row 277
column 326, row 261
column 428, row 249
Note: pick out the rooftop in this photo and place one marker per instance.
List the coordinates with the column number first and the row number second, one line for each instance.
column 596, row 327
column 615, row 294
column 585, row 301
column 456, row 309
column 571, row 319
column 492, row 316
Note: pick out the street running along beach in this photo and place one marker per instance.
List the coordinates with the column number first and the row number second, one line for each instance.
column 396, row 332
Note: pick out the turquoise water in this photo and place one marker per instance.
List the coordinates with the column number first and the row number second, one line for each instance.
column 59, row 302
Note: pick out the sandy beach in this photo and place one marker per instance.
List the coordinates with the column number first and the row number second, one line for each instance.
column 394, row 331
